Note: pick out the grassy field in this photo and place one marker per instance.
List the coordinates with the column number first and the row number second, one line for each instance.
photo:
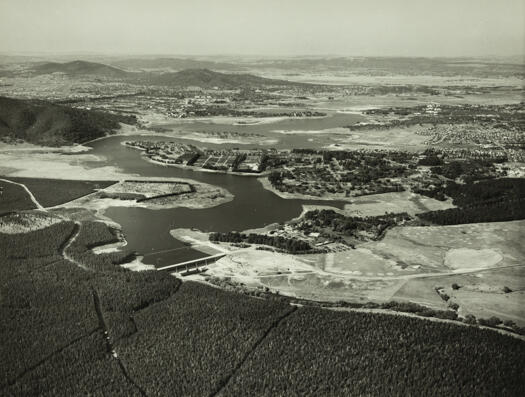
column 51, row 192
column 494, row 293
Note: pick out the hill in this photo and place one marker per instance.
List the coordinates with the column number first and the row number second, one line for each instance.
column 175, row 64
column 80, row 68
column 48, row 124
column 205, row 78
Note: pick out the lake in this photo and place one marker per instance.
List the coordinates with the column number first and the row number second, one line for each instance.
column 147, row 231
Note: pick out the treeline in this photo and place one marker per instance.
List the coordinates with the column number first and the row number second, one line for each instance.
column 350, row 225
column 291, row 245
column 468, row 170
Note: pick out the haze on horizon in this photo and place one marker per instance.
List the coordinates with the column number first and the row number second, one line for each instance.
column 270, row 27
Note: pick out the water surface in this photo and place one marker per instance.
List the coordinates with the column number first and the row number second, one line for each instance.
column 147, row 231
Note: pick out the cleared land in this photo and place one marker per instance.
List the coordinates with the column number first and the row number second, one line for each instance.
column 51, row 192
column 153, row 193
column 407, row 264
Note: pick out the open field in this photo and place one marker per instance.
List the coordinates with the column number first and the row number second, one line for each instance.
column 407, row 264
column 391, row 139
column 58, row 165
column 52, row 192
column 184, row 193
column 396, row 202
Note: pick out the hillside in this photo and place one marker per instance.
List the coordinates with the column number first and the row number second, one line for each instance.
column 175, row 64
column 79, row 68
column 49, row 124
column 205, row 78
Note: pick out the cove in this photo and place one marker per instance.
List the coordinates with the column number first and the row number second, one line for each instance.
column 147, row 231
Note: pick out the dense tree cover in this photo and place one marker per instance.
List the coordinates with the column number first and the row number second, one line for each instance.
column 467, row 170
column 350, row 225
column 496, row 190
column 484, row 201
column 14, row 197
column 507, row 210
column 193, row 339
column 191, row 343
column 51, row 192
column 54, row 341
column 431, row 159
column 366, row 354
column 291, row 245
column 50, row 124
column 93, row 234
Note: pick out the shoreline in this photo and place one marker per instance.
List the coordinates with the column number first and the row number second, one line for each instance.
column 296, row 196
column 194, row 169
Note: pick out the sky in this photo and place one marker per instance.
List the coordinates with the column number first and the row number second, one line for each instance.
column 265, row 27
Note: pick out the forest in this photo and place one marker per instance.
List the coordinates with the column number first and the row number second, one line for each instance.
column 495, row 200
column 290, row 245
column 107, row 330
column 366, row 354
column 45, row 123
column 318, row 220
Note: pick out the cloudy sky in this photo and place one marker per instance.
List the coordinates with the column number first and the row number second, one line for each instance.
column 265, row 27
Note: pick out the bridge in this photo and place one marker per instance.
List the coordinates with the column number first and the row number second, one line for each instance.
column 193, row 264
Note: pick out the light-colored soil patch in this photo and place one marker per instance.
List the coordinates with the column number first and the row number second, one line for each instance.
column 392, row 138
column 148, row 189
column 204, row 196
column 427, row 246
column 137, row 266
column 199, row 240
column 56, row 165
column 421, row 291
column 379, row 204
column 466, row 258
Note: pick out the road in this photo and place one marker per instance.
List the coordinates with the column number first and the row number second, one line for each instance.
column 33, row 199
